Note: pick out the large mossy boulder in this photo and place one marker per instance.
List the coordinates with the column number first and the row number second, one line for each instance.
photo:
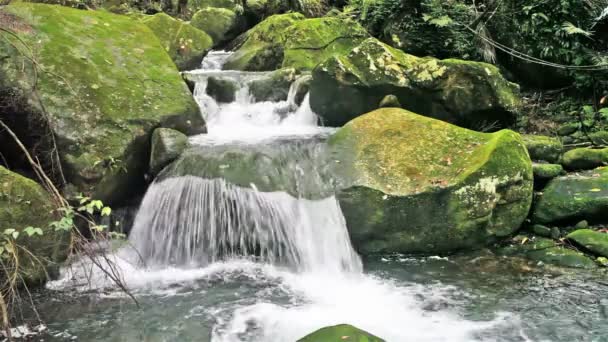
column 299, row 43
column 585, row 158
column 469, row 94
column 574, row 197
column 101, row 83
column 593, row 241
column 340, row 333
column 220, row 23
column 412, row 184
column 24, row 203
column 185, row 44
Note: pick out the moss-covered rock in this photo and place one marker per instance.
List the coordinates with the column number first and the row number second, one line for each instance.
column 24, row 203
column 340, row 333
column 222, row 90
column 390, row 101
column 167, row 145
column 544, row 172
column 263, row 48
column 312, row 41
column 220, row 23
column 103, row 83
column 413, row 184
column 593, row 241
column 543, row 148
column 274, row 87
column 185, row 44
column 290, row 40
column 468, row 94
column 546, row 251
column 585, row 158
column 573, row 197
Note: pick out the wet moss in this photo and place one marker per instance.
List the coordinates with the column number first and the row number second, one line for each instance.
column 593, row 241
column 585, row 158
column 340, row 333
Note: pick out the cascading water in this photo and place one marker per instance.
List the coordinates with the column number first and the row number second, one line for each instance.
column 241, row 239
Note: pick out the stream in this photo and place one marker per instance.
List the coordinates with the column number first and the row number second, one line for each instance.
column 209, row 260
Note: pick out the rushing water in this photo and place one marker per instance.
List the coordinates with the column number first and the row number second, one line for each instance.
column 213, row 260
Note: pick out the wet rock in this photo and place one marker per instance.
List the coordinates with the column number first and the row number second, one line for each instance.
column 24, row 203
column 469, row 94
column 585, row 158
column 222, row 90
column 593, row 241
column 547, row 251
column 541, row 230
column 275, row 87
column 543, row 148
column 102, row 100
column 390, row 101
column 340, row 333
column 167, row 145
column 185, row 44
column 413, row 184
column 574, row 197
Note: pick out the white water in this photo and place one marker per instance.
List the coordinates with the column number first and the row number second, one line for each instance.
column 190, row 229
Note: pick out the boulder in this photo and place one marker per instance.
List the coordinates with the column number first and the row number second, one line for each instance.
column 412, row 184
column 340, row 333
column 185, row 44
column 290, row 40
column 390, row 101
column 24, row 203
column 221, row 24
column 275, row 87
column 574, row 197
column 593, row 241
column 222, row 90
column 167, row 145
column 263, row 47
column 469, row 94
column 545, row 172
column 547, row 251
column 543, row 148
column 103, row 84
column 194, row 6
column 585, row 158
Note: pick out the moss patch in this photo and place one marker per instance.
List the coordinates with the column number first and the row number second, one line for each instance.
column 544, row 148
column 340, row 333
column 585, row 158
column 595, row 242
column 220, row 23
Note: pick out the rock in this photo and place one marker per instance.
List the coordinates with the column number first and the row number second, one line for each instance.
column 275, row 87
column 222, row 90
column 595, row 242
column 555, row 233
column 599, row 138
column 221, row 24
column 194, row 6
column 582, row 225
column 469, row 94
column 544, row 172
column 547, row 251
column 290, row 40
column 413, row 184
column 543, row 148
column 312, row 41
column 340, row 333
column 167, row 145
column 24, row 203
column 585, row 158
column 574, row 197
column 102, row 101
column 568, row 128
column 390, row 101
column 541, row 230
column 263, row 48
column 185, row 44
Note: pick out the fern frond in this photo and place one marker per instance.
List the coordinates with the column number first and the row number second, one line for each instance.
column 571, row 29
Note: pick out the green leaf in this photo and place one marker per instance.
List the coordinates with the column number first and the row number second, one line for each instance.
column 106, row 211
column 9, row 231
column 15, row 235
column 570, row 29
column 97, row 204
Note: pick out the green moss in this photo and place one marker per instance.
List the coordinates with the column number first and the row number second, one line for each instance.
column 340, row 333
column 107, row 82
column 595, row 242
column 219, row 23
column 469, row 94
column 547, row 171
column 263, row 49
column 438, row 187
column 574, row 197
column 585, row 158
column 185, row 44
column 564, row 257
column 24, row 203
column 544, row 148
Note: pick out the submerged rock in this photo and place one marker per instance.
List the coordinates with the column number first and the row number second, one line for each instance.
column 547, row 251
column 585, row 158
column 543, row 148
column 167, row 145
column 290, row 40
column 222, row 90
column 573, row 197
column 185, row 44
column 103, row 83
column 24, row 203
column 420, row 185
column 340, row 333
column 593, row 241
column 468, row 94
